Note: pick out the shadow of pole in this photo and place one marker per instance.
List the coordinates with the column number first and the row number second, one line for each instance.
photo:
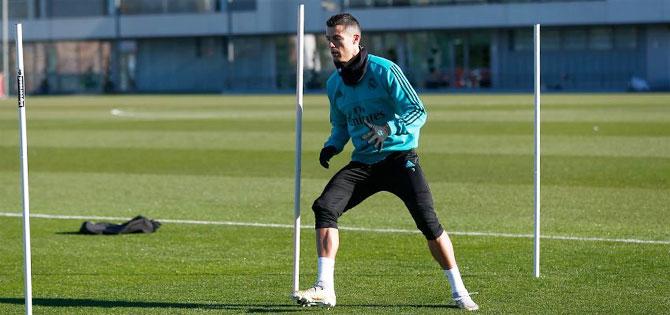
column 249, row 308
column 64, row 302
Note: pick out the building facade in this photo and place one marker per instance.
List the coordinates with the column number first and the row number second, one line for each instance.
column 94, row 46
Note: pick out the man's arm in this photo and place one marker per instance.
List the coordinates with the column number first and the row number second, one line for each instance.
column 410, row 113
column 339, row 135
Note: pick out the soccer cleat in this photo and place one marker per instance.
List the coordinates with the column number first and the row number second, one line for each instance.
column 315, row 296
column 466, row 303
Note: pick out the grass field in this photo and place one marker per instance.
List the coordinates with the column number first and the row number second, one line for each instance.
column 605, row 172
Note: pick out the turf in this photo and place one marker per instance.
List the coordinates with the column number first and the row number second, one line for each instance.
column 605, row 173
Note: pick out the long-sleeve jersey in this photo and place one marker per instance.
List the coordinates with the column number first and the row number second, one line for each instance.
column 382, row 97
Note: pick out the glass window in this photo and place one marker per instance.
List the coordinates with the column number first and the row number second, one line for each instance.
column 169, row 6
column 575, row 39
column 399, row 3
column 208, row 47
column 550, row 40
column 625, row 37
column 422, row 55
column 142, row 7
column 70, row 66
column 522, row 40
column 285, row 61
column 76, row 8
column 18, row 9
column 198, row 6
column 358, row 3
column 600, row 38
column 242, row 5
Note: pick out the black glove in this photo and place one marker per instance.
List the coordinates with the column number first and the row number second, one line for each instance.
column 325, row 155
column 377, row 134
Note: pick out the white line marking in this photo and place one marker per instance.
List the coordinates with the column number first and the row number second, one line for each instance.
column 163, row 115
column 172, row 115
column 344, row 228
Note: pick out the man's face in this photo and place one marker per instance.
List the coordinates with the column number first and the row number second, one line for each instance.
column 343, row 42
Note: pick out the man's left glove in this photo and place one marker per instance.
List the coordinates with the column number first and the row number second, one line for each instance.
column 325, row 155
column 377, row 134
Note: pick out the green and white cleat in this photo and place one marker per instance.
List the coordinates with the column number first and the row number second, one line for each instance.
column 466, row 303
column 315, row 296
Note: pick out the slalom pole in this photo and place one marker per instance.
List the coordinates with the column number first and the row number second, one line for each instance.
column 536, row 41
column 23, row 154
column 298, row 145
column 5, row 49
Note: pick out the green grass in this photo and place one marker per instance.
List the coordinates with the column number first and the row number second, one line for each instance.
column 605, row 173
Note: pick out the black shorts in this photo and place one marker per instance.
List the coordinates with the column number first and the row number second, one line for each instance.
column 399, row 174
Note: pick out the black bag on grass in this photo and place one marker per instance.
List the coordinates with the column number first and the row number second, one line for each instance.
column 138, row 224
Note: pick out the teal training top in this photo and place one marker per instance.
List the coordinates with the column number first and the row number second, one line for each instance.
column 383, row 96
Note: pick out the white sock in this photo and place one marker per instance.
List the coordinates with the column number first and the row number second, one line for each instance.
column 457, row 287
column 326, row 273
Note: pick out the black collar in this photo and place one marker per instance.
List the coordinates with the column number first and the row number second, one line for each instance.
column 353, row 70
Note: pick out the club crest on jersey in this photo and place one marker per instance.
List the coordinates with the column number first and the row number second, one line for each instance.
column 372, row 84
column 338, row 94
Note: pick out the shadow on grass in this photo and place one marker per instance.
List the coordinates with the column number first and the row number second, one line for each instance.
column 249, row 308
column 69, row 233
column 65, row 302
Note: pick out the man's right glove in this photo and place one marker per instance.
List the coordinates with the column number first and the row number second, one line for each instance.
column 325, row 155
column 377, row 134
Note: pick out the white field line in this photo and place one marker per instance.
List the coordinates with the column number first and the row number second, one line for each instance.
column 152, row 116
column 171, row 115
column 359, row 229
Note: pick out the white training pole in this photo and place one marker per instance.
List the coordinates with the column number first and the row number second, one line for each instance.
column 298, row 146
column 23, row 154
column 536, row 40
column 5, row 48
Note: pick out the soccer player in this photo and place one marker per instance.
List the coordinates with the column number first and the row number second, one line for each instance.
column 373, row 104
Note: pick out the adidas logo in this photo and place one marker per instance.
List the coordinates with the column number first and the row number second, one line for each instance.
column 410, row 164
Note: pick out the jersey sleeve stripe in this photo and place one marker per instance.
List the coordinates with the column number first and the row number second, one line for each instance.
column 411, row 94
column 414, row 116
column 418, row 110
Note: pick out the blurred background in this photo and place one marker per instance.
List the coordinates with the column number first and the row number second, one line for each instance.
column 214, row 46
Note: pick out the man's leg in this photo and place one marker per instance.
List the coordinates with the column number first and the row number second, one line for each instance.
column 327, row 243
column 407, row 181
column 344, row 191
column 443, row 251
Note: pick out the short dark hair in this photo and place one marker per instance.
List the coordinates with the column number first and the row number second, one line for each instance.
column 345, row 19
